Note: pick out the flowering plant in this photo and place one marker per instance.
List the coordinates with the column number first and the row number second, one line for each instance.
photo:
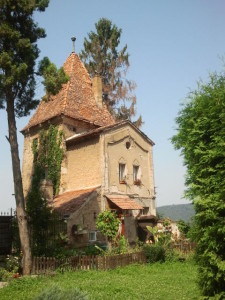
column 137, row 182
column 123, row 180
column 13, row 263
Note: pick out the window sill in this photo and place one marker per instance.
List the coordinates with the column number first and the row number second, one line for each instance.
column 123, row 182
column 137, row 182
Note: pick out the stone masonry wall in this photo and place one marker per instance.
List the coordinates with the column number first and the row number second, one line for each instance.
column 85, row 218
column 27, row 166
column 82, row 167
column 69, row 127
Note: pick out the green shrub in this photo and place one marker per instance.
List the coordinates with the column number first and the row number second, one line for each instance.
column 154, row 253
column 108, row 224
column 64, row 251
column 13, row 263
column 94, row 249
column 120, row 245
column 172, row 255
column 5, row 275
column 56, row 293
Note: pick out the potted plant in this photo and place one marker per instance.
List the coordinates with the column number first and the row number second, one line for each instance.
column 137, row 182
column 123, row 180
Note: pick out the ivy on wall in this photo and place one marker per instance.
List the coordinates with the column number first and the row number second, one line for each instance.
column 48, row 155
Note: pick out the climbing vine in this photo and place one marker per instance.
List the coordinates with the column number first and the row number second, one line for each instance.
column 108, row 224
column 48, row 155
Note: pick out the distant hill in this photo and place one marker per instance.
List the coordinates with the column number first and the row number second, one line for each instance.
column 177, row 212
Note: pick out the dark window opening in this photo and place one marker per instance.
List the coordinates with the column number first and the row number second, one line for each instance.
column 128, row 145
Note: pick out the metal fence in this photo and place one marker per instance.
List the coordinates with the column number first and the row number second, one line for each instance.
column 6, row 232
column 47, row 238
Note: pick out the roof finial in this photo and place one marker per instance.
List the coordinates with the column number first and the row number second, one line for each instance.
column 73, row 40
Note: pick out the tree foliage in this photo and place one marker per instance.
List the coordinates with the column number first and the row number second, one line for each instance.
column 39, row 214
column 183, row 227
column 201, row 138
column 101, row 55
column 53, row 77
column 18, row 52
column 108, row 224
column 48, row 153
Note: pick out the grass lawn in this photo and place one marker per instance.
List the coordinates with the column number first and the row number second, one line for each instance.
column 165, row 281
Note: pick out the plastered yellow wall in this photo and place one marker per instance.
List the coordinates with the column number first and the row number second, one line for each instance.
column 82, row 167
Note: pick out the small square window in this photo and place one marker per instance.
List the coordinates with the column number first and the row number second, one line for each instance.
column 92, row 236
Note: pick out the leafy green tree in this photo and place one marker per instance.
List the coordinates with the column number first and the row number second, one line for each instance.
column 18, row 52
column 102, row 56
column 201, row 139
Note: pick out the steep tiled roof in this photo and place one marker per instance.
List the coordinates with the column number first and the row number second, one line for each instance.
column 70, row 202
column 75, row 99
column 124, row 202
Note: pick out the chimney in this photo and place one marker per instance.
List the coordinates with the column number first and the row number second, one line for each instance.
column 97, row 89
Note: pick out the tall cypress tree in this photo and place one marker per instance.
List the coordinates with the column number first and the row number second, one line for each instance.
column 101, row 55
column 18, row 52
column 201, row 139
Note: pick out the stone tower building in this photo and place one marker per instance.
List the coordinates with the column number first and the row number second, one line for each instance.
column 107, row 165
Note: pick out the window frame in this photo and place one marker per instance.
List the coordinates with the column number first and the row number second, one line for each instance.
column 136, row 175
column 89, row 236
column 122, row 173
column 136, row 172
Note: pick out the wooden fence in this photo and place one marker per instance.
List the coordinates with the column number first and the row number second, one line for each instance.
column 185, row 246
column 42, row 265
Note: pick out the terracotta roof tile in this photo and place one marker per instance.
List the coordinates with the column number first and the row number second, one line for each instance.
column 70, row 202
column 75, row 99
column 124, row 202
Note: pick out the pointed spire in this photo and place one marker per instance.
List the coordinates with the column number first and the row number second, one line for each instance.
column 76, row 99
column 73, row 38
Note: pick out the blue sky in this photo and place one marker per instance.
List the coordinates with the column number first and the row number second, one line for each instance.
column 172, row 45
